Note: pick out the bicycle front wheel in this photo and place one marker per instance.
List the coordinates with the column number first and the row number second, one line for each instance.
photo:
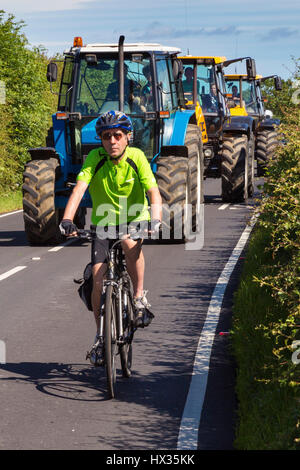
column 126, row 347
column 110, row 339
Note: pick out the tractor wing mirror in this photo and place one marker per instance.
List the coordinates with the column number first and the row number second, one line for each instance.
column 251, row 68
column 52, row 72
column 278, row 83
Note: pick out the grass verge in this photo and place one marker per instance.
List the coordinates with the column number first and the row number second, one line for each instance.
column 10, row 201
column 267, row 381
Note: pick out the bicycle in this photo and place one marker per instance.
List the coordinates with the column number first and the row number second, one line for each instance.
column 116, row 315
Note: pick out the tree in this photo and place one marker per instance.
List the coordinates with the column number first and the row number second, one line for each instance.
column 26, row 114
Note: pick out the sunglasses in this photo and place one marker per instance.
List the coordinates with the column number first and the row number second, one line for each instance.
column 117, row 135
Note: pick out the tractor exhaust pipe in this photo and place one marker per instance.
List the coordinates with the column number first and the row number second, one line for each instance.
column 121, row 73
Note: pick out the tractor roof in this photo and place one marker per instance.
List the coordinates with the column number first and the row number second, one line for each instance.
column 135, row 47
column 204, row 59
column 237, row 76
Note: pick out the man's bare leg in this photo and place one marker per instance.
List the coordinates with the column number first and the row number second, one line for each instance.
column 99, row 271
column 135, row 264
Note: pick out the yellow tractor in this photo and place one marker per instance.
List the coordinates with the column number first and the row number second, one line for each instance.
column 245, row 98
column 228, row 141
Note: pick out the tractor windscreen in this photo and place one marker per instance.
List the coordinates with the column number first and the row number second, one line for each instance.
column 206, row 87
column 98, row 86
column 248, row 94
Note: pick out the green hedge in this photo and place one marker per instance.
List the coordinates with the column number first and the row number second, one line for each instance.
column 26, row 114
column 267, row 309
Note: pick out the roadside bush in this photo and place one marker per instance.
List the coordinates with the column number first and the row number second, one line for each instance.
column 267, row 308
column 26, row 114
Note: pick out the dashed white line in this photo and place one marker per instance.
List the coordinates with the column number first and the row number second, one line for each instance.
column 223, row 207
column 188, row 432
column 11, row 213
column 11, row 272
column 59, row 247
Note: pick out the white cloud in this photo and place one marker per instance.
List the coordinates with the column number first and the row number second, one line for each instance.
column 30, row 6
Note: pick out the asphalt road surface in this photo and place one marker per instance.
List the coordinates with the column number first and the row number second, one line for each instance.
column 52, row 398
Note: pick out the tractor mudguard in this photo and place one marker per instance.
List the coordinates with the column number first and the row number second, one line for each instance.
column 181, row 121
column 43, row 153
column 243, row 124
column 269, row 124
column 175, row 150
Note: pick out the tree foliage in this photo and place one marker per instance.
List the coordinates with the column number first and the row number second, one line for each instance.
column 26, row 114
column 282, row 102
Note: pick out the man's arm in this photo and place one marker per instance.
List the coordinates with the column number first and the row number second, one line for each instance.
column 74, row 201
column 155, row 203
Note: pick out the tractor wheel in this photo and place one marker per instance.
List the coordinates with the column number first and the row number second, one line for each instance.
column 234, row 157
column 193, row 141
column 251, row 159
column 174, row 181
column 180, row 181
column 266, row 143
column 40, row 217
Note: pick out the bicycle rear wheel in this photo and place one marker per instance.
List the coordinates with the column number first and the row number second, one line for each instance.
column 126, row 348
column 110, row 339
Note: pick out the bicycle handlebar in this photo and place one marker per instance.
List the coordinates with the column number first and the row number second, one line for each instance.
column 132, row 234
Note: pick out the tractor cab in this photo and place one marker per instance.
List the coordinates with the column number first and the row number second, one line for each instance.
column 204, row 87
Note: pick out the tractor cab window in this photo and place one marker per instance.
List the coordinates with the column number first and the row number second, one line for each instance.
column 188, row 84
column 208, row 88
column 98, row 92
column 248, row 93
column 98, row 86
column 166, row 85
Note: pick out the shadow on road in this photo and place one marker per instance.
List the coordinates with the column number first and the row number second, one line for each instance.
column 13, row 238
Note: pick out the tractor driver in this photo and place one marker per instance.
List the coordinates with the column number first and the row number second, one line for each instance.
column 123, row 180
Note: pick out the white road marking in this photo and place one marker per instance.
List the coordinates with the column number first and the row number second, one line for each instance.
column 188, row 432
column 223, row 207
column 11, row 213
column 11, row 272
column 59, row 247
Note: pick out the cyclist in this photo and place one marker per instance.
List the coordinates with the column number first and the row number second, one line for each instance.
column 119, row 177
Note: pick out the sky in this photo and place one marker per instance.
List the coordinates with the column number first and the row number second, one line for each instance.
column 268, row 31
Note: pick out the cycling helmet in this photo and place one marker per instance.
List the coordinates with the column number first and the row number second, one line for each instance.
column 113, row 120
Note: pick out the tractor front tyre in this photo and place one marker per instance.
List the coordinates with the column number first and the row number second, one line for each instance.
column 173, row 180
column 234, row 159
column 266, row 143
column 193, row 142
column 41, row 220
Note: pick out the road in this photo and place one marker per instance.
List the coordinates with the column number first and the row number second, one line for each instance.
column 52, row 398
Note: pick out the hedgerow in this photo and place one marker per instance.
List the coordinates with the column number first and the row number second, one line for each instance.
column 266, row 322
column 25, row 115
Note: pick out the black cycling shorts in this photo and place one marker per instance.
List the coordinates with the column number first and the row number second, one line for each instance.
column 100, row 250
column 101, row 246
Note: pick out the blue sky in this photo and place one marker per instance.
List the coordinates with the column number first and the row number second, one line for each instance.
column 267, row 30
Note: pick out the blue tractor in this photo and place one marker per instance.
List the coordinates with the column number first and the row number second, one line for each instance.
column 144, row 81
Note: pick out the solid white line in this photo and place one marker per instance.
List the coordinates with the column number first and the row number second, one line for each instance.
column 188, row 432
column 11, row 272
column 224, row 206
column 11, row 213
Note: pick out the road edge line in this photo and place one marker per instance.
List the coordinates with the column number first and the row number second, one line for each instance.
column 190, row 421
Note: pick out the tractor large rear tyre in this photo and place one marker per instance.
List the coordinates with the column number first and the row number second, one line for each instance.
column 40, row 217
column 180, row 181
column 174, row 184
column 266, row 143
column 234, row 155
column 193, row 141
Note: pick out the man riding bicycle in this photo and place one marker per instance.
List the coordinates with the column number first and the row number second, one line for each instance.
column 119, row 177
